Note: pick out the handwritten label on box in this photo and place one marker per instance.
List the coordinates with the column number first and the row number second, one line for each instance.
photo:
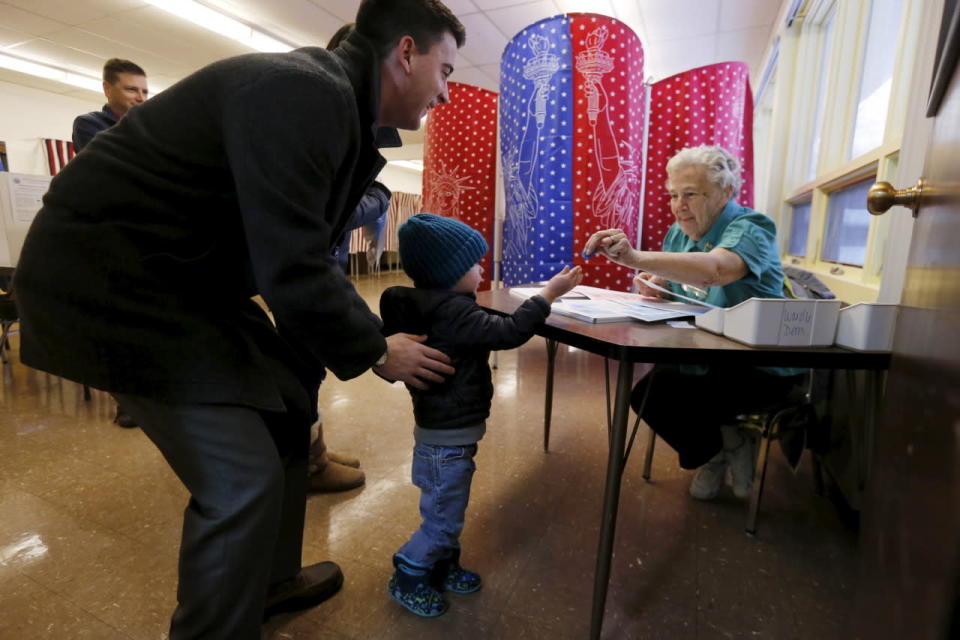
column 796, row 323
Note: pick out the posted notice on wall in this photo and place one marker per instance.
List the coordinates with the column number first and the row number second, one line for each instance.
column 26, row 196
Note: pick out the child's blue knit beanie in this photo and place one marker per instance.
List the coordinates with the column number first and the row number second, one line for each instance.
column 436, row 251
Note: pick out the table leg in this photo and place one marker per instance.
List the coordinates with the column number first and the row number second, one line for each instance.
column 548, row 406
column 611, row 495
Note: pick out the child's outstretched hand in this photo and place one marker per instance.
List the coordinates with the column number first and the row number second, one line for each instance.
column 562, row 283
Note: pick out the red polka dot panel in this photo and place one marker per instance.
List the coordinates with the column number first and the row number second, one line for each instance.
column 459, row 162
column 710, row 105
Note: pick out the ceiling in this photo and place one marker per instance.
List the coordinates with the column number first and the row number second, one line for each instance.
column 79, row 35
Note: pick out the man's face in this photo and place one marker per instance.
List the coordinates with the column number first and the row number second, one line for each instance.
column 695, row 200
column 426, row 81
column 128, row 91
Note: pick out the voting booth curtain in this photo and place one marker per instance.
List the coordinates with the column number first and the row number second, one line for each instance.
column 571, row 144
column 576, row 153
column 710, row 105
column 460, row 163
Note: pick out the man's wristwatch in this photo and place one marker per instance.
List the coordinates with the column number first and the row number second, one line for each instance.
column 382, row 360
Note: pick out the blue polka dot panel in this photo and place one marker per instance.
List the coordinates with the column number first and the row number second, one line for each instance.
column 572, row 114
column 460, row 162
column 710, row 105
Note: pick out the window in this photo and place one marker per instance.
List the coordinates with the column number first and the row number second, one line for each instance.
column 876, row 76
column 822, row 77
column 799, row 229
column 845, row 74
column 848, row 225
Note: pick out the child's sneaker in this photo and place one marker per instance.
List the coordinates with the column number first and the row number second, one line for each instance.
column 410, row 586
column 448, row 575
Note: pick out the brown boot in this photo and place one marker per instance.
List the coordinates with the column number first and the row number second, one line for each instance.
column 335, row 477
column 342, row 458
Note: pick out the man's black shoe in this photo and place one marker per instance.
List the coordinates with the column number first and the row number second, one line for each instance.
column 124, row 419
column 310, row 587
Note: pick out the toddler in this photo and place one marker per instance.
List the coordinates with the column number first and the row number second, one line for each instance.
column 442, row 257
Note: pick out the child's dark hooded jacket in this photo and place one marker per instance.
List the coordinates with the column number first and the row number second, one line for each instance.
column 456, row 325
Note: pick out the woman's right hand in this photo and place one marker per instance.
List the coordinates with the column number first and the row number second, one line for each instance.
column 641, row 279
column 612, row 243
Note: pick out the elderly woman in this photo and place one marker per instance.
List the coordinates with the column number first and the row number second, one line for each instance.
column 723, row 253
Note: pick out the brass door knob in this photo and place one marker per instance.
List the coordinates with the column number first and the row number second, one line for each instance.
column 882, row 196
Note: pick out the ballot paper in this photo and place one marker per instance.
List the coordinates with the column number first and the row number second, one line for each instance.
column 529, row 292
column 591, row 304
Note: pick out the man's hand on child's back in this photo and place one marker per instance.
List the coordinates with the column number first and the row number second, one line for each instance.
column 412, row 362
column 562, row 283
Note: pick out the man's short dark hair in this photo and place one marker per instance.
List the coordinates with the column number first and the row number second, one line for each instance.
column 113, row 66
column 386, row 21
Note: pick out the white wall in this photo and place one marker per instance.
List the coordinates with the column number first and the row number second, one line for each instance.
column 27, row 115
column 399, row 179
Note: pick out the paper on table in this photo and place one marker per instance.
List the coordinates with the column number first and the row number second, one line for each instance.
column 642, row 305
column 592, row 311
column 592, row 304
column 529, row 292
column 679, row 295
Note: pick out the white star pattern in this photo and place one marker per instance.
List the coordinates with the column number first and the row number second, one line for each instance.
column 718, row 98
column 606, row 159
column 460, row 149
column 573, row 176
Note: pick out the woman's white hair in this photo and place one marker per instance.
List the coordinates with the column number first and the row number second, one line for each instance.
column 723, row 169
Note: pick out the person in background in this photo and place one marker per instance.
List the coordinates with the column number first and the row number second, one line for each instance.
column 371, row 213
column 331, row 472
column 442, row 257
column 125, row 86
column 139, row 272
column 723, row 253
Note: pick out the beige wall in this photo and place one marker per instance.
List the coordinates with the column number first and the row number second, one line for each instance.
column 27, row 115
column 398, row 179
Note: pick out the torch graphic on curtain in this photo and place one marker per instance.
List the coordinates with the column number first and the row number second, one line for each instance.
column 521, row 160
column 615, row 198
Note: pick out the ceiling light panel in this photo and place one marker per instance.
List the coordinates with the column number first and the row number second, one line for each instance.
column 50, row 73
column 221, row 23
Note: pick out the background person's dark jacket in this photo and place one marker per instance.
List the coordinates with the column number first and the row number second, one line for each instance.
column 456, row 325
column 137, row 274
column 90, row 124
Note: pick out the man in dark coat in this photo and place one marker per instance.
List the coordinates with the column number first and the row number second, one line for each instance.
column 137, row 276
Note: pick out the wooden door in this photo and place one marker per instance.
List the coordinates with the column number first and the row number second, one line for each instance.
column 910, row 528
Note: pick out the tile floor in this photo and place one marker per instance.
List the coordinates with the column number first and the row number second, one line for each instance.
column 90, row 518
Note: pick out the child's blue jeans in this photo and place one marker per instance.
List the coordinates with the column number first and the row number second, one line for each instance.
column 443, row 474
